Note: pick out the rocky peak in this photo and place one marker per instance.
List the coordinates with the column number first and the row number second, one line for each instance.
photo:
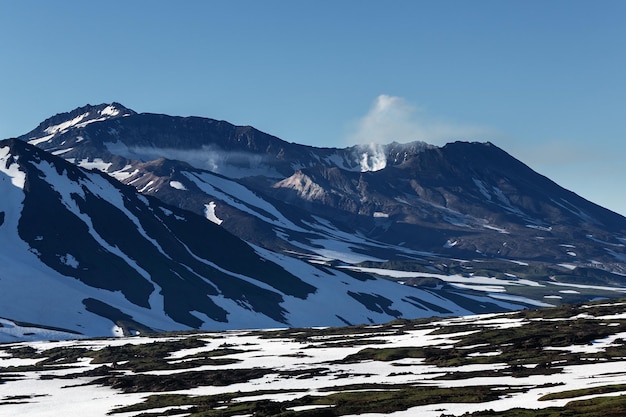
column 79, row 117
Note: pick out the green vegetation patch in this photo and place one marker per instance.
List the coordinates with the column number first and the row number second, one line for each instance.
column 153, row 356
column 51, row 359
column 181, row 380
column 602, row 406
column 203, row 404
column 385, row 354
column 605, row 389
column 388, row 401
column 134, row 357
column 343, row 334
column 354, row 399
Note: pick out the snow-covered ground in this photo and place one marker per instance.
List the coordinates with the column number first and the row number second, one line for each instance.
column 312, row 362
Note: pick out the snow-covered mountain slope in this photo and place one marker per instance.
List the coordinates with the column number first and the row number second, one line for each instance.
column 443, row 214
column 84, row 253
column 77, row 118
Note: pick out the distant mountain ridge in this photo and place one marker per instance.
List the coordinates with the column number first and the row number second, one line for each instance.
column 467, row 226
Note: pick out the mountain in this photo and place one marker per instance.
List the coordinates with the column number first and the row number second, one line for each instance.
column 465, row 227
column 85, row 254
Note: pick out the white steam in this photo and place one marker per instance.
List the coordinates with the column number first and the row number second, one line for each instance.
column 392, row 118
column 372, row 157
column 212, row 158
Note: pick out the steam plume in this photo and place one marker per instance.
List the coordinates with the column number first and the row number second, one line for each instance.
column 392, row 118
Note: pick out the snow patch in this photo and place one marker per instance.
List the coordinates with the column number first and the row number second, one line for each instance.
column 604, row 242
column 37, row 141
column 178, row 185
column 110, row 111
column 123, row 173
column 51, row 130
column 62, row 151
column 482, row 188
column 147, row 186
column 18, row 178
column 521, row 299
column 497, row 229
column 166, row 211
column 542, row 228
column 453, row 279
column 97, row 163
column 69, row 260
column 209, row 213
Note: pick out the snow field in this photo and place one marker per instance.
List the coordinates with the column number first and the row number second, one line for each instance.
column 284, row 354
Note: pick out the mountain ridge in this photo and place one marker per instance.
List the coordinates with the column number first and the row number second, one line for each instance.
column 466, row 223
column 101, row 256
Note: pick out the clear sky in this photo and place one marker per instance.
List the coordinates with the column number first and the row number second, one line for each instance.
column 544, row 80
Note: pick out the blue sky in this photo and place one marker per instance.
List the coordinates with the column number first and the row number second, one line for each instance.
column 544, row 80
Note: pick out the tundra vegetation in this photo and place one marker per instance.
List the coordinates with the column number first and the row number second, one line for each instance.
column 566, row 361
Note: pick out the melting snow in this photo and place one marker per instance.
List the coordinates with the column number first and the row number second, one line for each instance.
column 123, row 173
column 61, row 151
column 110, row 111
column 591, row 287
column 65, row 125
column 209, row 212
column 18, row 178
column 482, row 188
column 542, row 228
column 69, row 260
column 178, row 185
column 57, row 397
column 37, row 141
column 472, row 280
column 520, row 299
column 147, row 186
column 97, row 163
column 497, row 229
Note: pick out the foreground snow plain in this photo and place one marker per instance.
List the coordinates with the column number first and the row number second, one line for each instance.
column 530, row 359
